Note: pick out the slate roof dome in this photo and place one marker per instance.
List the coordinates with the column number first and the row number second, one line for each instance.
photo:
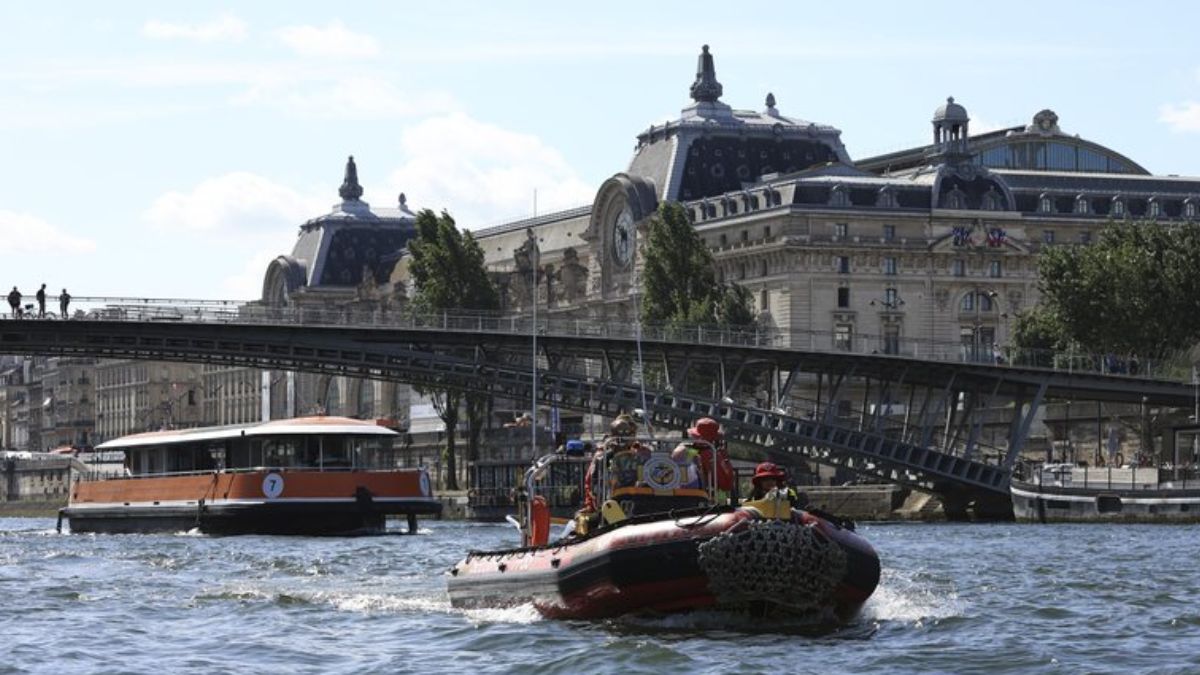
column 950, row 112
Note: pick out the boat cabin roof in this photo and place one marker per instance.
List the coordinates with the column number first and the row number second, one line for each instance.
column 306, row 426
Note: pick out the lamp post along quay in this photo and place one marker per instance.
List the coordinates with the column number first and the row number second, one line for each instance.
column 533, row 295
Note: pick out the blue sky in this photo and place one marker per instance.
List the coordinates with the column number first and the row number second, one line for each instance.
column 171, row 150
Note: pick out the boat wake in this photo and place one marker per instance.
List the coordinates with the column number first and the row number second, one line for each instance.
column 905, row 598
column 520, row 614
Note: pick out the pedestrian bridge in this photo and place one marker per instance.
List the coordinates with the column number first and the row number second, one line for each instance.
column 917, row 418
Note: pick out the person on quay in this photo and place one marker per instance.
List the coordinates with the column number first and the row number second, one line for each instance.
column 41, row 300
column 64, row 301
column 707, row 439
column 770, row 476
column 14, row 301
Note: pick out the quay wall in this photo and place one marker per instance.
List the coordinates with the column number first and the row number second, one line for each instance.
column 35, row 486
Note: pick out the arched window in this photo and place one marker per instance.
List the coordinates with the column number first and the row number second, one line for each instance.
column 1117, row 209
column 984, row 301
column 1154, row 208
column 885, row 198
column 838, row 196
column 1045, row 204
column 1082, row 206
column 991, row 200
column 954, row 199
column 1189, row 208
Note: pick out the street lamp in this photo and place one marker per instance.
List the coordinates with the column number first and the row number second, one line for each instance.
column 891, row 302
column 978, row 298
column 533, row 293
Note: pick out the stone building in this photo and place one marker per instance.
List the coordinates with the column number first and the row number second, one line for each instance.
column 341, row 261
column 135, row 396
column 930, row 249
column 67, row 406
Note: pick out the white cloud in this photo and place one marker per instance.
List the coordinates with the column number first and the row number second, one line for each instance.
column 26, row 233
column 227, row 27
column 238, row 201
column 483, row 174
column 360, row 97
column 980, row 125
column 1184, row 117
column 334, row 40
column 247, row 283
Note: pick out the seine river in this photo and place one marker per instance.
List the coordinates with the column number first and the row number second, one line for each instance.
column 954, row 599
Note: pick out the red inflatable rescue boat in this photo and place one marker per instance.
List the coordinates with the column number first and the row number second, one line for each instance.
column 761, row 557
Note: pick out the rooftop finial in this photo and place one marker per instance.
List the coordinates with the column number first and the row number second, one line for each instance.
column 403, row 201
column 770, row 100
column 350, row 190
column 706, row 89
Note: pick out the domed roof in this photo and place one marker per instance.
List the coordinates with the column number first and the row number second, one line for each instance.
column 950, row 112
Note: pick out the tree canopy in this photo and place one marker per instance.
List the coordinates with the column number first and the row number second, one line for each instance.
column 679, row 278
column 447, row 267
column 1135, row 291
column 447, row 271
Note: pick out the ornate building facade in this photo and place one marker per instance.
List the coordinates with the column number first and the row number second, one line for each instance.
column 933, row 248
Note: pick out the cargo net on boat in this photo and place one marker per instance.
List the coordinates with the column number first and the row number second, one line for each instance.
column 776, row 562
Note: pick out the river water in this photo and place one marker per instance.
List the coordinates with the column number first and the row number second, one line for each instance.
column 953, row 599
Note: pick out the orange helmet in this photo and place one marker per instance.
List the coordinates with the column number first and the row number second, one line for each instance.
column 706, row 429
column 768, row 470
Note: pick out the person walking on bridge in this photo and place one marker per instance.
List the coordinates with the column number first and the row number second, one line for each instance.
column 64, row 299
column 14, row 301
column 41, row 298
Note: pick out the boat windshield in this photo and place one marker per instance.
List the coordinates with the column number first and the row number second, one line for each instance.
column 650, row 467
column 321, row 452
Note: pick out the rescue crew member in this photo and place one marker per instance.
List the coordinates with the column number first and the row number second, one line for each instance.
column 707, row 440
column 770, row 476
column 621, row 438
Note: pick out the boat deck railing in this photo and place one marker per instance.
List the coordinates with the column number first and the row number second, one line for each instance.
column 110, row 475
column 1162, row 477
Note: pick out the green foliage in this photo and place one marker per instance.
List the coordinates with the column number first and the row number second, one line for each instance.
column 679, row 280
column 1039, row 331
column 1135, row 291
column 447, row 267
column 447, row 271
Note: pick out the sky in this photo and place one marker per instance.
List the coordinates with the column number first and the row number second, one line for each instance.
column 171, row 150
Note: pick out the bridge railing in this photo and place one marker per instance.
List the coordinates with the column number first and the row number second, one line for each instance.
column 967, row 351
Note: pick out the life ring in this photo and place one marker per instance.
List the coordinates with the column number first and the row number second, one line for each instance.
column 661, row 473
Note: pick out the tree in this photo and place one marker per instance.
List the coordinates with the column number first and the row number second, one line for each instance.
column 447, row 270
column 1133, row 291
column 679, row 279
column 680, row 290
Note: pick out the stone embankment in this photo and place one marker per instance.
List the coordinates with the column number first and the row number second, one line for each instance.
column 37, row 486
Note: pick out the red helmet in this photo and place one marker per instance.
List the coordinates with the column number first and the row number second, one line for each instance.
column 706, row 429
column 768, row 470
